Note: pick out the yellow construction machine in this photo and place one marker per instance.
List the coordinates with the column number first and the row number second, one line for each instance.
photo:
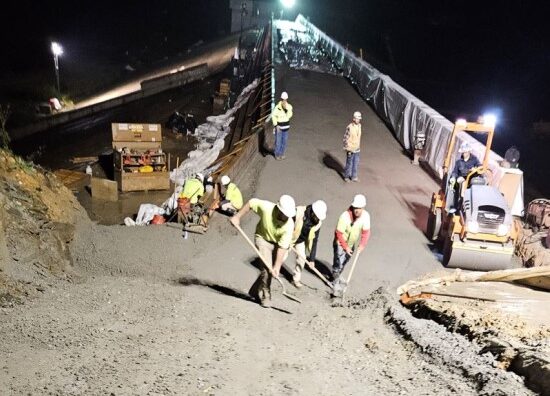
column 477, row 229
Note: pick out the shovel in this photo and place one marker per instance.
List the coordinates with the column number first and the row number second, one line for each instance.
column 287, row 295
column 340, row 286
column 312, row 267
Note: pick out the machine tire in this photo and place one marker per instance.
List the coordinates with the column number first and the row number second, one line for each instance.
column 434, row 225
column 447, row 250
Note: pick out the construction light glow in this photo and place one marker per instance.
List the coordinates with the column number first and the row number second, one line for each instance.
column 489, row 120
column 288, row 3
column 461, row 122
column 57, row 49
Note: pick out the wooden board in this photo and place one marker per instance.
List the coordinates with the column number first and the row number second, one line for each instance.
column 71, row 179
column 124, row 132
column 104, row 189
column 128, row 181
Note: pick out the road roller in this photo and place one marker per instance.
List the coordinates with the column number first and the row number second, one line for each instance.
column 472, row 221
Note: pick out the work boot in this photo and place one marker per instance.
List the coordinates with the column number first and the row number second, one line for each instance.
column 355, row 179
column 282, row 157
column 265, row 303
column 347, row 179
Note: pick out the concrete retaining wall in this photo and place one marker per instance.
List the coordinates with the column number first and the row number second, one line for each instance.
column 148, row 88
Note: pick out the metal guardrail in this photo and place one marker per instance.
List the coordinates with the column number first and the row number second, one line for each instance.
column 250, row 119
column 149, row 88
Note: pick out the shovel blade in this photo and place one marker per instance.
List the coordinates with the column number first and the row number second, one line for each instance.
column 339, row 288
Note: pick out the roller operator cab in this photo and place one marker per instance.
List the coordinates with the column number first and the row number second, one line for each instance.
column 474, row 223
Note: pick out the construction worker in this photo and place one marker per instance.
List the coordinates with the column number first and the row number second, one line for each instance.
column 209, row 185
column 193, row 188
column 282, row 113
column 231, row 197
column 353, row 229
column 462, row 168
column 307, row 225
column 273, row 238
column 352, row 145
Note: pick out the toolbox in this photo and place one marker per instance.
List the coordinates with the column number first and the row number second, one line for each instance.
column 140, row 164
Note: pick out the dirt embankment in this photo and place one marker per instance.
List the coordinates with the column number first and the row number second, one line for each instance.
column 37, row 223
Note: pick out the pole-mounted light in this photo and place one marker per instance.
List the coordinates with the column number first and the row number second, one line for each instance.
column 56, row 50
column 288, row 3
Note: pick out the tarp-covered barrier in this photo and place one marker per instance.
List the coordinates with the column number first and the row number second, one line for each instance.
column 406, row 115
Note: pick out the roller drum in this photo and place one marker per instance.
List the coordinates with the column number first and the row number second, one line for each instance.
column 477, row 255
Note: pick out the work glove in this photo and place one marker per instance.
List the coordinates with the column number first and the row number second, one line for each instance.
column 460, row 179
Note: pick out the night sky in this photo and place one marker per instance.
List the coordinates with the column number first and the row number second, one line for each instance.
column 461, row 57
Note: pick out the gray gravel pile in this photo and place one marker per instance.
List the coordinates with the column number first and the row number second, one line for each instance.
column 455, row 351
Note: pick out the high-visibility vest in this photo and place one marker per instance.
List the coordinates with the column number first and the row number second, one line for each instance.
column 299, row 223
column 233, row 195
column 193, row 189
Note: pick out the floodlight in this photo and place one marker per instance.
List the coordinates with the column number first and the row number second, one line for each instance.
column 288, row 3
column 57, row 49
column 489, row 120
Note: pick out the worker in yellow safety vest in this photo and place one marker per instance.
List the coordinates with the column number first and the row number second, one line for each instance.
column 282, row 113
column 193, row 188
column 273, row 238
column 307, row 225
column 231, row 197
column 352, row 232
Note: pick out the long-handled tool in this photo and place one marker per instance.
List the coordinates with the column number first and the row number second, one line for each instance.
column 340, row 287
column 312, row 267
column 288, row 295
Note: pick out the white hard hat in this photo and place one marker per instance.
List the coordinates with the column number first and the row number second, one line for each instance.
column 357, row 115
column 284, row 96
column 225, row 180
column 320, row 209
column 359, row 201
column 287, row 205
column 200, row 176
column 464, row 147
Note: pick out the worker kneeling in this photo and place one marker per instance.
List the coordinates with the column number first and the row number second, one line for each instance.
column 231, row 197
column 272, row 238
column 307, row 225
column 462, row 168
column 190, row 194
column 353, row 227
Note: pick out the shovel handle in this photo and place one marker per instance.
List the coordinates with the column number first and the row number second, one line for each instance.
column 247, row 239
column 352, row 267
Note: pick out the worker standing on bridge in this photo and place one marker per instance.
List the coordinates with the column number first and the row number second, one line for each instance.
column 352, row 145
column 282, row 113
column 273, row 238
column 353, row 228
column 307, row 225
